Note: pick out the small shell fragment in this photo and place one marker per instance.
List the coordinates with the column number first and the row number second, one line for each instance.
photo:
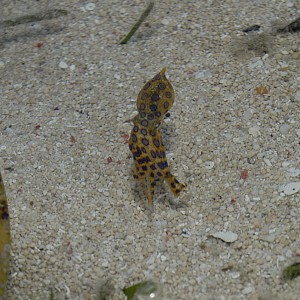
column 226, row 236
column 270, row 238
column 290, row 188
column 293, row 172
column 90, row 6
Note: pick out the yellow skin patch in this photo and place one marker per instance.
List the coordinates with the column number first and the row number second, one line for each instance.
column 145, row 143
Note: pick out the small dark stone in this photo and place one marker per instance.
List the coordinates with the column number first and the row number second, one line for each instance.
column 251, row 28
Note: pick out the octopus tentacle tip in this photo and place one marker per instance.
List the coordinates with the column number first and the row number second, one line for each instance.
column 163, row 71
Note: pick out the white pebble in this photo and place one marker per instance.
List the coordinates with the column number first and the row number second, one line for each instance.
column 151, row 260
column 209, row 165
column 90, row 6
column 105, row 264
column 247, row 290
column 268, row 238
column 163, row 258
column 165, row 22
column 18, row 86
column 297, row 96
column 285, row 164
column 63, row 65
column 1, row 64
column 119, row 192
column 256, row 146
column 284, row 128
column 49, row 247
column 236, row 140
column 267, row 162
column 256, row 64
column 234, row 274
column 226, row 236
column 203, row 74
column 254, row 131
column 228, row 96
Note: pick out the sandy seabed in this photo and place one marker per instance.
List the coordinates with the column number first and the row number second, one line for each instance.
column 79, row 222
